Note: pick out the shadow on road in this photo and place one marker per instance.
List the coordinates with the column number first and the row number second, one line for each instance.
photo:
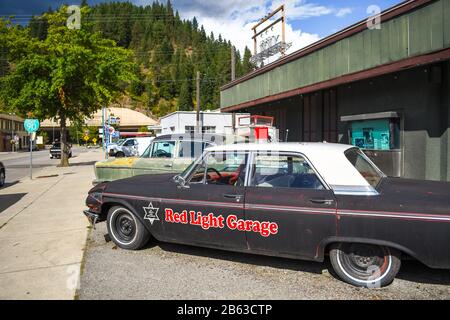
column 411, row 270
column 80, row 164
column 253, row 259
column 9, row 184
column 8, row 200
column 415, row 271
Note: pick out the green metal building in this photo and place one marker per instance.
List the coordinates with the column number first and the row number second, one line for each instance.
column 385, row 90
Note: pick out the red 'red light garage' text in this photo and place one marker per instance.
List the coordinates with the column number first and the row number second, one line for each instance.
column 232, row 222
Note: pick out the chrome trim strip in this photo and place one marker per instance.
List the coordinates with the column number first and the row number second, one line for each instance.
column 290, row 209
column 228, row 205
column 355, row 190
column 394, row 216
column 194, row 202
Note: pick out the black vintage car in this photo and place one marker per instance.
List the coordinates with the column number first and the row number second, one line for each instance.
column 55, row 150
column 302, row 201
column 2, row 175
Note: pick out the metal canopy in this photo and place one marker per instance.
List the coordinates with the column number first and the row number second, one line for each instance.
column 371, row 116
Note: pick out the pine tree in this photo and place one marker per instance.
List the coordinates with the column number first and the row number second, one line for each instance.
column 170, row 51
column 247, row 66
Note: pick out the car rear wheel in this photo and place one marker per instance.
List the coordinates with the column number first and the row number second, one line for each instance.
column 2, row 178
column 125, row 230
column 120, row 155
column 365, row 265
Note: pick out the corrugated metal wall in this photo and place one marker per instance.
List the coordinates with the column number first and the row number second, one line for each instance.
column 424, row 30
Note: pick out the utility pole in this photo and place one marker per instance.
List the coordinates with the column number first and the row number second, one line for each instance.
column 198, row 128
column 105, row 145
column 12, row 132
column 233, row 63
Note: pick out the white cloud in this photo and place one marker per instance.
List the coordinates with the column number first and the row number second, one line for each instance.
column 343, row 12
column 301, row 9
column 233, row 19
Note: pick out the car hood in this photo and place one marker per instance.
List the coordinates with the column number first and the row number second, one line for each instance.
column 120, row 162
column 417, row 195
column 141, row 184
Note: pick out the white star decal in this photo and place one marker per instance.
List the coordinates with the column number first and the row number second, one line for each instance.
column 151, row 213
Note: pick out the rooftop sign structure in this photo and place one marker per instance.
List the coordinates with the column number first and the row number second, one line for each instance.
column 271, row 45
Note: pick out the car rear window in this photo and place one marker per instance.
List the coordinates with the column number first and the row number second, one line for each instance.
column 359, row 160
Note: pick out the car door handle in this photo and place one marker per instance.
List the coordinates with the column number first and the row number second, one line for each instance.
column 238, row 197
column 168, row 166
column 321, row 201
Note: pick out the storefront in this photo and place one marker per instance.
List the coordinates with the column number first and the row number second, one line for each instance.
column 12, row 133
column 386, row 91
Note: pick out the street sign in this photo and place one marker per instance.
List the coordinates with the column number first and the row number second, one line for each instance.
column 114, row 120
column 111, row 130
column 31, row 125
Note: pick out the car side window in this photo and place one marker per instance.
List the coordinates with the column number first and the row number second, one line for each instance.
column 283, row 171
column 129, row 143
column 163, row 149
column 221, row 168
column 191, row 149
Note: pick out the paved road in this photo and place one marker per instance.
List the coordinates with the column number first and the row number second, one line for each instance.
column 18, row 164
column 167, row 271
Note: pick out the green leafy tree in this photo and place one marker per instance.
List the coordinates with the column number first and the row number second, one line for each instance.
column 68, row 75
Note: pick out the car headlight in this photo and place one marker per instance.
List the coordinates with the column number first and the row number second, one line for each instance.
column 97, row 196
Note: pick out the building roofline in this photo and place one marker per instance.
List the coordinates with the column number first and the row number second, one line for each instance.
column 398, row 66
column 386, row 15
column 14, row 117
column 193, row 112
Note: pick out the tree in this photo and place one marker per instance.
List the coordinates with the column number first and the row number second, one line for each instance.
column 68, row 75
column 185, row 101
column 246, row 63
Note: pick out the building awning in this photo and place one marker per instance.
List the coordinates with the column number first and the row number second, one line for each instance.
column 371, row 116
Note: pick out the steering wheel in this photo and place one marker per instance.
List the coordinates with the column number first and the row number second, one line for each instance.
column 215, row 171
column 162, row 154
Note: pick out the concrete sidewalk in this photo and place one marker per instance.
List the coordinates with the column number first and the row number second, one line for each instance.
column 43, row 236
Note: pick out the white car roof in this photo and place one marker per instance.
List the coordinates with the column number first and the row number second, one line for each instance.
column 327, row 158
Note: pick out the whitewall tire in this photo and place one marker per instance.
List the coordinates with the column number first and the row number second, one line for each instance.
column 365, row 265
column 125, row 230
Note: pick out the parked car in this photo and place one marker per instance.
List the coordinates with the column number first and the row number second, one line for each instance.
column 55, row 150
column 300, row 201
column 112, row 146
column 2, row 175
column 132, row 147
column 167, row 153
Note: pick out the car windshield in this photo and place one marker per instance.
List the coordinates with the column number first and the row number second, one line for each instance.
column 146, row 153
column 360, row 161
column 56, row 145
column 186, row 172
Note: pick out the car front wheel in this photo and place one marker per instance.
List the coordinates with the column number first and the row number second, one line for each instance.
column 2, row 178
column 365, row 265
column 125, row 230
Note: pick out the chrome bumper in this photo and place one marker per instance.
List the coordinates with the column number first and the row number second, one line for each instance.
column 92, row 217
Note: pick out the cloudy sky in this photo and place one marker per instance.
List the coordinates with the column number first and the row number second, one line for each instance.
column 308, row 20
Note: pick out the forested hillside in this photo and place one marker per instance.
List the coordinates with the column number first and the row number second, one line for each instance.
column 169, row 51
